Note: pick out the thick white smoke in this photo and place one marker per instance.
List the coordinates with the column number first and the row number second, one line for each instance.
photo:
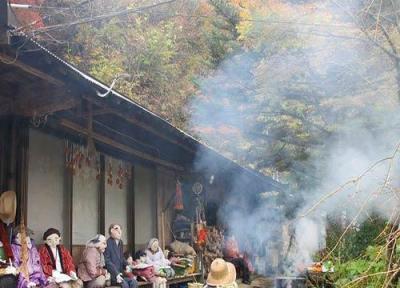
column 343, row 73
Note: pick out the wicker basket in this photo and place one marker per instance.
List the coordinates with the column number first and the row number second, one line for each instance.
column 195, row 285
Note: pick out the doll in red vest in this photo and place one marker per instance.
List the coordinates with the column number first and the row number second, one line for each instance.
column 57, row 262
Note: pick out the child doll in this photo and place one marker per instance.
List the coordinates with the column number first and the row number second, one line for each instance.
column 145, row 271
column 128, row 273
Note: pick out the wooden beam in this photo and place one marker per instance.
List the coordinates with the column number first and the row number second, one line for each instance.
column 108, row 141
column 140, row 124
column 30, row 109
column 97, row 112
column 29, row 69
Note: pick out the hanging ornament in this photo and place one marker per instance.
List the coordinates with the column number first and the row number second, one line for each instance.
column 88, row 157
column 119, row 177
column 128, row 172
column 109, row 173
column 81, row 156
column 98, row 169
column 178, row 196
column 24, row 270
column 74, row 159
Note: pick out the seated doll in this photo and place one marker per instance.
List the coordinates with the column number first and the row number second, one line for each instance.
column 156, row 257
column 145, row 271
column 28, row 259
column 91, row 266
column 57, row 262
column 8, row 203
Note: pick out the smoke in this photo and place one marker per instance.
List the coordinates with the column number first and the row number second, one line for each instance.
column 344, row 90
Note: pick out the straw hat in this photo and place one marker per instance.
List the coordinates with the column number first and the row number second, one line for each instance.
column 221, row 272
column 8, row 206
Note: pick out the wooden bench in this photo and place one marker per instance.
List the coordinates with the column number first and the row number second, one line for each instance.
column 176, row 280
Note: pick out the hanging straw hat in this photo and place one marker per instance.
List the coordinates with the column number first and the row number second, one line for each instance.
column 8, row 206
column 221, row 273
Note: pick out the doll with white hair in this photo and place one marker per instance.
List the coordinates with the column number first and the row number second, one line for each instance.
column 91, row 266
column 156, row 257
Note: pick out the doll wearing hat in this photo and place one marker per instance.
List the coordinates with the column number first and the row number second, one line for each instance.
column 35, row 277
column 8, row 205
column 57, row 262
column 222, row 274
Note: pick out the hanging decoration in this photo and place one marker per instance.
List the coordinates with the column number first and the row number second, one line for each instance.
column 98, row 168
column 122, row 173
column 24, row 251
column 109, row 173
column 77, row 156
column 201, row 230
column 178, row 196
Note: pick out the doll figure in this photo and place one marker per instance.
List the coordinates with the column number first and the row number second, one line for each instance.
column 114, row 258
column 91, row 267
column 156, row 257
column 28, row 260
column 57, row 262
column 145, row 271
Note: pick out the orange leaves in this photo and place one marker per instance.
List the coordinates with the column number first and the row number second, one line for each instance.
column 28, row 16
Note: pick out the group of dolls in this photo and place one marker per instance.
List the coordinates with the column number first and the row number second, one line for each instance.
column 102, row 262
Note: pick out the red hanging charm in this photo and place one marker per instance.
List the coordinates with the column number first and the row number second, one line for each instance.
column 110, row 175
column 178, row 196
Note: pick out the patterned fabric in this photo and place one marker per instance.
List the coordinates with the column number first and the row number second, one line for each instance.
column 91, row 265
column 157, row 259
column 49, row 262
column 36, row 274
column 5, row 241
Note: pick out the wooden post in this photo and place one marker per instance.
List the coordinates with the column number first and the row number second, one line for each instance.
column 131, row 211
column 4, row 22
column 102, row 196
column 22, row 166
column 69, row 200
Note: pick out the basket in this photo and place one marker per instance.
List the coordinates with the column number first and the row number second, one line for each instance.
column 195, row 285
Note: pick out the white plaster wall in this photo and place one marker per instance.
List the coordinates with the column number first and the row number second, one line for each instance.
column 85, row 201
column 45, row 184
column 116, row 200
column 145, row 205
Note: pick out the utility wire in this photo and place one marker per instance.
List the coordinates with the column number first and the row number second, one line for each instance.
column 99, row 17
column 45, row 17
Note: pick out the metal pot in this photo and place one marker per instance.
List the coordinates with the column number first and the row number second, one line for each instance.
column 290, row 282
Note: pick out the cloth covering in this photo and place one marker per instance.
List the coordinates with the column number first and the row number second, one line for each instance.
column 36, row 274
column 49, row 263
column 91, row 264
column 6, row 243
column 116, row 263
